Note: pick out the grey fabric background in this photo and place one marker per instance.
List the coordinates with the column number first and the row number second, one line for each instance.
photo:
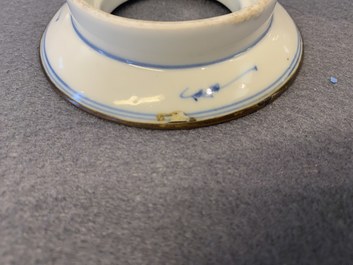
column 275, row 187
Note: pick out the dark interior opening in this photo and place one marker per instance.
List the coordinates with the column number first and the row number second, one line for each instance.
column 170, row 10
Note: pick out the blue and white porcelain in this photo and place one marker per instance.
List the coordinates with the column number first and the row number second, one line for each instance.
column 171, row 74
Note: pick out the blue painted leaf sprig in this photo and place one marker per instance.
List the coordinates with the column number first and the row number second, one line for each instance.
column 212, row 90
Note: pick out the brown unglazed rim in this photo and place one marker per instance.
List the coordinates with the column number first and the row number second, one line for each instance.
column 190, row 124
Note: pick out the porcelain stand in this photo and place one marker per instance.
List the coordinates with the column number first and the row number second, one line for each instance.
column 171, row 74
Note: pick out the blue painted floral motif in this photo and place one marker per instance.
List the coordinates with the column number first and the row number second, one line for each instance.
column 213, row 89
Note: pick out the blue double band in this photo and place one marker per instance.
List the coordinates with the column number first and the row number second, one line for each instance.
column 151, row 117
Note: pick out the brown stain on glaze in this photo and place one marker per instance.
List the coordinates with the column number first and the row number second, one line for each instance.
column 192, row 123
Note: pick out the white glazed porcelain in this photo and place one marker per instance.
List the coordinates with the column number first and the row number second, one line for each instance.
column 171, row 74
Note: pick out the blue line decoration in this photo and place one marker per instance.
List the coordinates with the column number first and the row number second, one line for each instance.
column 215, row 88
column 151, row 117
column 166, row 67
column 82, row 99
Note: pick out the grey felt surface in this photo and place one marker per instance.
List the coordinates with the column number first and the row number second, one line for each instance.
column 275, row 187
